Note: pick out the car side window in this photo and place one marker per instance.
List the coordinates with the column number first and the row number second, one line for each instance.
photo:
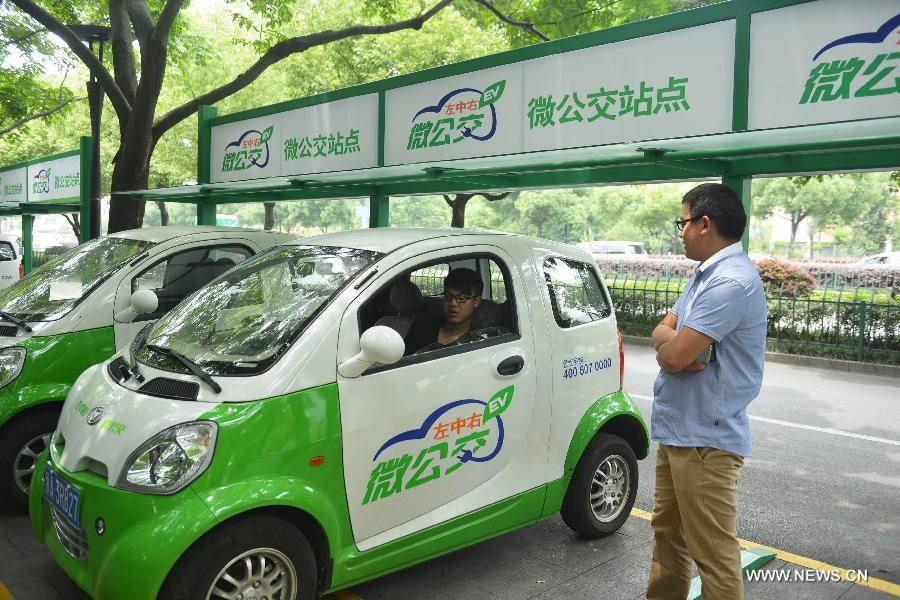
column 413, row 304
column 7, row 252
column 576, row 296
column 178, row 276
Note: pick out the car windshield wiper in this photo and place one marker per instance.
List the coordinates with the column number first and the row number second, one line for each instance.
column 18, row 322
column 191, row 366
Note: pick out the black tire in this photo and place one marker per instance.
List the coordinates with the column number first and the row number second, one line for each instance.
column 31, row 430
column 618, row 460
column 195, row 574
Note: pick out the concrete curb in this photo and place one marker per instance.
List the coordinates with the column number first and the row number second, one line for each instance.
column 806, row 361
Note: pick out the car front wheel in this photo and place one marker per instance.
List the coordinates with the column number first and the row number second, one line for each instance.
column 603, row 487
column 260, row 558
column 21, row 442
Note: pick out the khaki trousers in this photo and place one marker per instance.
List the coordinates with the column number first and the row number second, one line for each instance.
column 694, row 509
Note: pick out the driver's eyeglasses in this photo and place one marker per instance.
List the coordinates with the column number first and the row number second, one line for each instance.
column 680, row 223
column 458, row 298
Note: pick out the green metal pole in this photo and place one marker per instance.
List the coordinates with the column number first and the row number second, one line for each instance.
column 87, row 174
column 379, row 210
column 740, row 111
column 206, row 211
column 27, row 224
column 861, row 347
column 741, row 186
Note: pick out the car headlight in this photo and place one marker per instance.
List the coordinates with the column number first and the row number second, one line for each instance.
column 11, row 360
column 171, row 459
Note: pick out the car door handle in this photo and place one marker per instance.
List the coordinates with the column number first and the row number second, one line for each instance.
column 511, row 365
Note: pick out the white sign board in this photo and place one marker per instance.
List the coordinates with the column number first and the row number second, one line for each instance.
column 671, row 84
column 55, row 179
column 668, row 85
column 454, row 118
column 823, row 62
column 334, row 136
column 14, row 185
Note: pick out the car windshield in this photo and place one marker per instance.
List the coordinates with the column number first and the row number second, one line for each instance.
column 54, row 289
column 241, row 322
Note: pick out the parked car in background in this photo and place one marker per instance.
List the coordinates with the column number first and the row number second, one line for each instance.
column 884, row 258
column 10, row 261
column 52, row 234
column 83, row 306
column 615, row 249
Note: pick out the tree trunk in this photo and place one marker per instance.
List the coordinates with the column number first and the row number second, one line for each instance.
column 269, row 222
column 163, row 213
column 75, row 223
column 131, row 172
column 795, row 223
column 812, row 235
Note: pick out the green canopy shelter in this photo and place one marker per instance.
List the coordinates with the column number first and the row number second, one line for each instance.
column 732, row 91
column 56, row 184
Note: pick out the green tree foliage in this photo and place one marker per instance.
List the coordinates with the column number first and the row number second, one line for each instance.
column 27, row 92
column 150, row 37
column 856, row 207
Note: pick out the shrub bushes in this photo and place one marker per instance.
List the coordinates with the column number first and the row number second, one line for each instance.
column 784, row 279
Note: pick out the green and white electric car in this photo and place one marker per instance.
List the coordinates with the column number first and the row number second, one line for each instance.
column 279, row 434
column 78, row 309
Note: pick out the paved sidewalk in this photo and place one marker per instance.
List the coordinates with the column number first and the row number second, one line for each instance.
column 544, row 561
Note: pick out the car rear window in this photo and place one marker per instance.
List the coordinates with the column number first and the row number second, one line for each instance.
column 7, row 252
column 576, row 295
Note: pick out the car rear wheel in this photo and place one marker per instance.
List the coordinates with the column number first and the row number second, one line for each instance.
column 603, row 488
column 21, row 442
column 260, row 558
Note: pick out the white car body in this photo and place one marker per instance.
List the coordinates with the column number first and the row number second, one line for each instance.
column 10, row 261
column 99, row 308
column 615, row 249
column 884, row 259
column 548, row 406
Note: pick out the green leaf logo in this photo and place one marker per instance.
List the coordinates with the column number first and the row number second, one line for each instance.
column 266, row 135
column 492, row 93
column 498, row 403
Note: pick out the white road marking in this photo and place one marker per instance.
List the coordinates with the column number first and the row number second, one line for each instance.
column 858, row 436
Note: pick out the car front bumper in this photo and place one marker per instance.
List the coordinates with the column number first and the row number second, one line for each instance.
column 144, row 534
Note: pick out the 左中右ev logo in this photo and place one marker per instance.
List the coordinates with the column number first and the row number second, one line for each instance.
column 251, row 149
column 464, row 114
column 460, row 433
column 41, row 183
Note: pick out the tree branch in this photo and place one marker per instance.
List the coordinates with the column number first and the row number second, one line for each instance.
column 280, row 51
column 516, row 23
column 122, row 52
column 55, row 26
column 448, row 200
column 39, row 115
column 139, row 13
column 494, row 197
column 23, row 37
column 167, row 16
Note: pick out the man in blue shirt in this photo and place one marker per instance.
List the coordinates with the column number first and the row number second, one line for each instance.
column 710, row 348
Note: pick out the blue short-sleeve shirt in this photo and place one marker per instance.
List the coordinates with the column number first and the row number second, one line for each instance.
column 724, row 300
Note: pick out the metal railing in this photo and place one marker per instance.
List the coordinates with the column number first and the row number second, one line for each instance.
column 851, row 324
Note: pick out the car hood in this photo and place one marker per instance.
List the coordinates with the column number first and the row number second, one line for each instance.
column 103, row 423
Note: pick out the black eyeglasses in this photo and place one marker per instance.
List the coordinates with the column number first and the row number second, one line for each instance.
column 680, row 223
column 458, row 298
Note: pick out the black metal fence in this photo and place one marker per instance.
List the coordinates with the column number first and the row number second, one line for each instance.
column 851, row 324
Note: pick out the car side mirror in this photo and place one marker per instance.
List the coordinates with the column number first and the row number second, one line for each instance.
column 143, row 302
column 378, row 344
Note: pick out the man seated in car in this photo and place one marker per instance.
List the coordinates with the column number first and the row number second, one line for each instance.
column 462, row 297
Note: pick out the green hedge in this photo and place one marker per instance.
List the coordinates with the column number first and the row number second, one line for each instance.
column 862, row 325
